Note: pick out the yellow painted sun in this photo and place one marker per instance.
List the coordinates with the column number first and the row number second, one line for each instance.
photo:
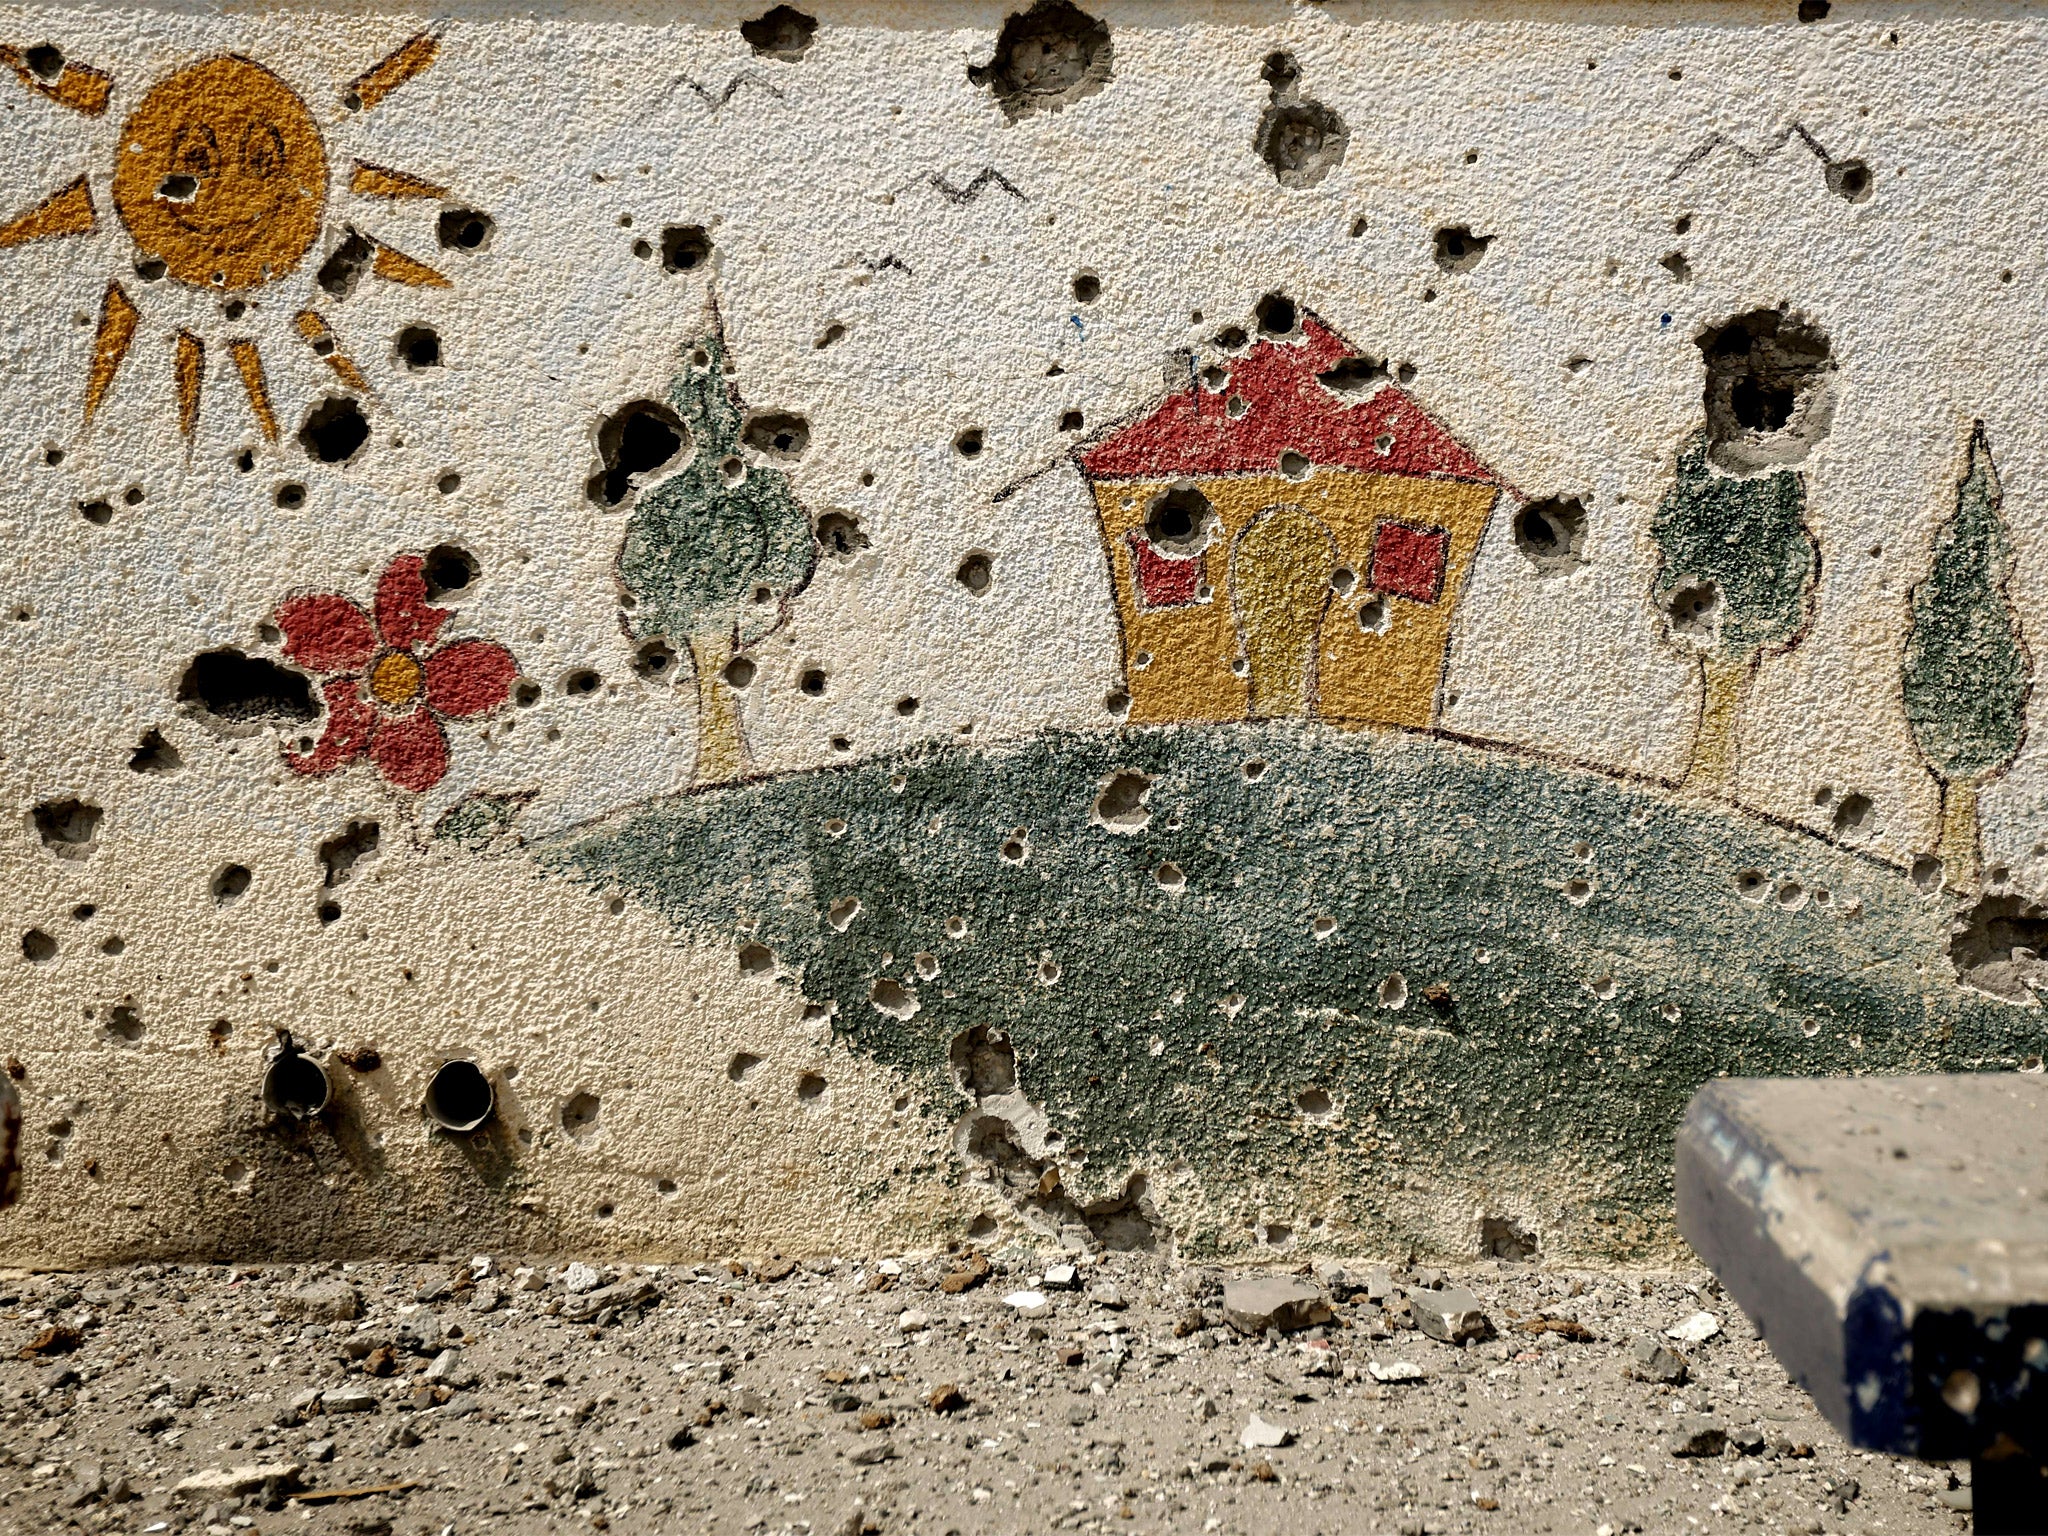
column 222, row 180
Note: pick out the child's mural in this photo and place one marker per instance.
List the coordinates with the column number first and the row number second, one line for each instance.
column 1289, row 535
column 1070, row 829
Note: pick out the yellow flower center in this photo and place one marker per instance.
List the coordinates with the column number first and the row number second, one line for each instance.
column 396, row 679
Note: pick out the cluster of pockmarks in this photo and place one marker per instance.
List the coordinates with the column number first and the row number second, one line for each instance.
column 1013, row 1147
column 1738, row 563
column 1301, row 139
column 1849, row 179
column 716, row 544
column 1046, row 58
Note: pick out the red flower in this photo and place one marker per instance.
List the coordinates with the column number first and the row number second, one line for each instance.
column 412, row 683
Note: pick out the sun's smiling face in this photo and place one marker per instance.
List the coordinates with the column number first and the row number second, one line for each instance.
column 221, row 175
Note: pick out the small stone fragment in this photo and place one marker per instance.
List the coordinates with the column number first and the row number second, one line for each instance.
column 948, row 1399
column 969, row 1275
column 348, row 1400
column 232, row 1482
column 1062, row 1277
column 1697, row 1329
column 1450, row 1316
column 578, row 1278
column 1254, row 1304
column 1258, row 1435
column 1651, row 1360
column 1696, row 1436
column 1026, row 1303
column 322, row 1301
column 873, row 1455
column 913, row 1321
column 1393, row 1370
column 57, row 1339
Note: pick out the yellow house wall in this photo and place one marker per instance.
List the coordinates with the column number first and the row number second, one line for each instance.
column 1378, row 678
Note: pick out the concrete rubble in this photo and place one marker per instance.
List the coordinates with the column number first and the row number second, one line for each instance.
column 846, row 1394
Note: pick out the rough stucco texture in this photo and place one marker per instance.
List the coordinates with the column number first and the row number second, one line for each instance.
column 1246, row 629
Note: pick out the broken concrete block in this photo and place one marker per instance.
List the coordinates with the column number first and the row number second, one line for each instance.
column 627, row 1293
column 232, row 1482
column 1261, row 1436
column 1651, row 1360
column 322, row 1301
column 1259, row 1302
column 1696, row 1436
column 348, row 1400
column 1451, row 1316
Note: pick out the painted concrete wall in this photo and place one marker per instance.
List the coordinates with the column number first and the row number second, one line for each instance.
column 1251, row 628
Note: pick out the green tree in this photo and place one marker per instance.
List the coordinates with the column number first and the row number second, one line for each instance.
column 1967, row 674
column 714, row 552
column 1736, row 581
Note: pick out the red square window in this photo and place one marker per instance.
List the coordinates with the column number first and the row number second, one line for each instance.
column 1164, row 581
column 1409, row 562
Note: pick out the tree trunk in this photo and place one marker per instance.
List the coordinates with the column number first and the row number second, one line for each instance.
column 1724, row 690
column 721, row 750
column 1960, row 857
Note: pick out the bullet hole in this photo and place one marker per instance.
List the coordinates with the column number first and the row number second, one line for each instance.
column 526, row 694
column 975, row 573
column 739, row 672
column 1458, row 249
column 1342, row 580
column 1811, row 11
column 113, row 944
column 890, row 996
column 1179, row 520
column 1394, row 991
column 154, row 755
column 1300, row 141
column 1355, row 375
column 906, row 706
column 580, row 1117
column 340, row 854
column 1855, row 819
column 655, row 660
column 1016, row 848
column 1295, row 466
column 1850, row 180
column 842, row 912
column 291, row 494
column 1315, row 1103
column 229, row 884
column 1171, row 878
column 1276, row 1234
column 756, row 960
column 685, row 248
column 1086, row 287
column 343, row 269
column 69, row 828
column 98, row 513
column 334, row 430
column 124, row 1025
column 956, row 927
column 1997, row 947
column 638, row 439
column 152, row 270
column 295, row 1086
column 580, row 682
column 733, row 470
column 1374, row 617
column 1232, row 338
column 245, row 461
column 37, row 947
column 840, row 535
column 742, row 1066
column 1117, row 703
column 643, row 249
column 1578, row 891
column 83, row 912
column 810, row 1088
column 1120, row 803
column 46, row 59
column 782, row 33
column 1048, row 972
column 1551, row 534
column 1500, row 1237
column 832, row 333
column 1927, row 874
column 465, row 229
column 1254, row 770
column 459, row 1097
column 1045, row 59
column 969, row 443
column 1276, row 315
column 812, row 682
column 1790, row 895
column 418, row 347
column 1675, row 263
column 1768, row 401
column 779, row 434
column 1695, row 612
column 1751, row 885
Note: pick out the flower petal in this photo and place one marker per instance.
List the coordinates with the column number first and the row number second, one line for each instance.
column 411, row 751
column 349, row 722
column 404, row 617
column 470, row 677
column 325, row 632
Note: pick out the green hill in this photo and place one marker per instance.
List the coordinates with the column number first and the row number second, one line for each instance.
column 1575, row 954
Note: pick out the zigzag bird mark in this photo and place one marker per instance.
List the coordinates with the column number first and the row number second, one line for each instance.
column 960, row 196
column 1719, row 140
column 714, row 102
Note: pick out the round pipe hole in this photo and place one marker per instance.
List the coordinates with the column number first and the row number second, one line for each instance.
column 294, row 1085
column 460, row 1097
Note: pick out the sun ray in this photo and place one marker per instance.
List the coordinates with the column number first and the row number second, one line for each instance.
column 320, row 336
column 397, row 267
column 48, row 73
column 381, row 181
column 389, row 73
column 249, row 363
column 117, row 329
column 188, row 371
column 67, row 212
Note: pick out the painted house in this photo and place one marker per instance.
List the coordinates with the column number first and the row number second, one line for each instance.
column 1288, row 536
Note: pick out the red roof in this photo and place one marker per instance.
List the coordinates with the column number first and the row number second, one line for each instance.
column 1192, row 432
